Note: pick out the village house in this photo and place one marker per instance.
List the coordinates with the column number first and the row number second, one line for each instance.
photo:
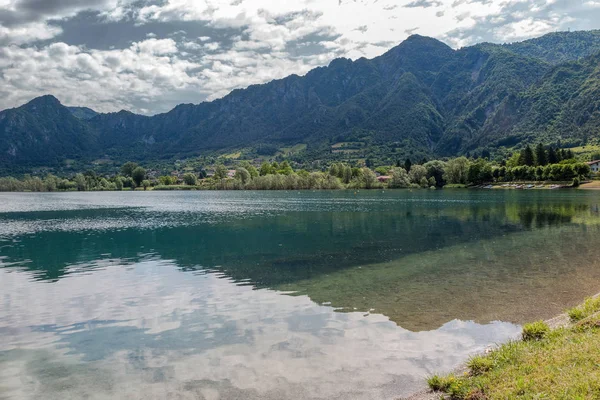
column 594, row 166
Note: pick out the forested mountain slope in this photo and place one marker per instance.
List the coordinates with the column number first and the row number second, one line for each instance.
column 421, row 96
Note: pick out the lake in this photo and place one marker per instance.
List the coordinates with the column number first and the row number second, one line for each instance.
column 277, row 295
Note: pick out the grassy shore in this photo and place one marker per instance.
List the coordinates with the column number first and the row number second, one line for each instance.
column 562, row 362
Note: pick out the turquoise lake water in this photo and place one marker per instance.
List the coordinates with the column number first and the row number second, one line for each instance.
column 277, row 295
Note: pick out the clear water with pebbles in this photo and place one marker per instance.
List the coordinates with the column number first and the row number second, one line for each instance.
column 273, row 295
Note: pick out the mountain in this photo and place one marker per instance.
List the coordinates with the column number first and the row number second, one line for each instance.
column 559, row 47
column 420, row 99
column 83, row 112
column 44, row 132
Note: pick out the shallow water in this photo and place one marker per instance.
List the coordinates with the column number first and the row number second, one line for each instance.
column 258, row 295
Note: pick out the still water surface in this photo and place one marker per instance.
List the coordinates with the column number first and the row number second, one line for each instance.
column 259, row 295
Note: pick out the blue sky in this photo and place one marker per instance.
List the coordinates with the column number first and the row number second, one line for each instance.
column 149, row 55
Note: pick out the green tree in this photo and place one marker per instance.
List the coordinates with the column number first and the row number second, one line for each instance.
column 190, row 179
column 400, row 179
column 435, row 169
column 138, row 175
column 527, row 157
column 407, row 165
column 65, row 184
column 242, row 175
column 128, row 168
column 285, row 169
column 480, row 172
column 541, row 156
column 165, row 180
column 265, row 169
column 486, row 175
column 552, row 156
column 417, row 173
column 51, row 182
column 253, row 171
column 334, row 169
column 146, row 184
column 220, row 172
column 80, row 182
column 369, row 179
column 250, row 168
column 457, row 170
column 346, row 174
column 119, row 183
column 514, row 160
column 129, row 182
column 382, row 170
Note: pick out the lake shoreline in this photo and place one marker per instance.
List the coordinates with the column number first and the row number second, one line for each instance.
column 591, row 185
column 560, row 321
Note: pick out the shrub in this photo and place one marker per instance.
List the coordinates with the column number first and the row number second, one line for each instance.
column 589, row 307
column 535, row 331
column 400, row 178
column 479, row 365
column 576, row 314
column 459, row 389
column 575, row 182
column 190, row 179
column 440, row 383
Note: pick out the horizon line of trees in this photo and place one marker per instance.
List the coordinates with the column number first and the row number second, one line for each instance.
column 541, row 164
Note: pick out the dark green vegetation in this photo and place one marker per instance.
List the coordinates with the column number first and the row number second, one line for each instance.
column 421, row 99
column 549, row 364
column 543, row 165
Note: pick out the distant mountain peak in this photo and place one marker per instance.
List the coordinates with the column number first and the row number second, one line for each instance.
column 46, row 100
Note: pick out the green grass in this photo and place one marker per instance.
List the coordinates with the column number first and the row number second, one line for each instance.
column 535, row 331
column 590, row 148
column 479, row 365
column 345, row 151
column 587, row 309
column 559, row 364
column 440, row 383
column 176, row 187
column 353, row 145
column 294, row 149
column 233, row 156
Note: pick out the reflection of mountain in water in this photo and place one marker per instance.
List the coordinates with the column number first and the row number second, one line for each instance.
column 421, row 265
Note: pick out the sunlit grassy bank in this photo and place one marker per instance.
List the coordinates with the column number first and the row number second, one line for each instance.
column 563, row 363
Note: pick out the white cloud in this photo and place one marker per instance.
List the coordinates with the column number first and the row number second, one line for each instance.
column 247, row 42
column 132, row 78
column 156, row 46
column 27, row 33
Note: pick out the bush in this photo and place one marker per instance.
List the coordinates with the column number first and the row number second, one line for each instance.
column 479, row 365
column 440, row 383
column 400, row 178
column 190, row 179
column 591, row 306
column 575, row 182
column 535, row 331
column 576, row 314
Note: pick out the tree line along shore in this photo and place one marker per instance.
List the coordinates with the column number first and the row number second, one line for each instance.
column 542, row 164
